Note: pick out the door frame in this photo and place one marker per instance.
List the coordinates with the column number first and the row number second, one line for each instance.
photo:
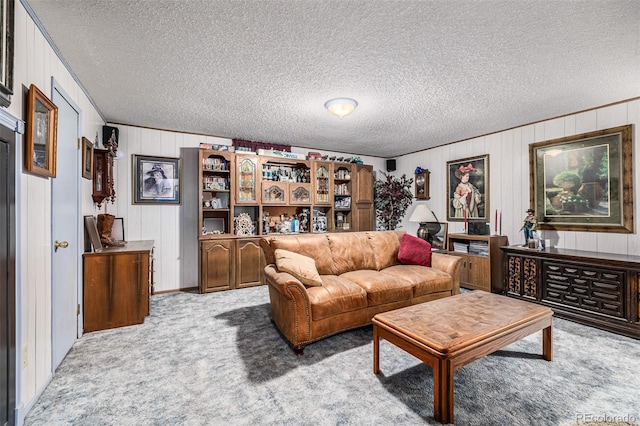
column 57, row 87
column 11, row 122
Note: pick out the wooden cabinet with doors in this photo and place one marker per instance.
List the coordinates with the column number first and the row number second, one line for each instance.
column 592, row 288
column 117, row 284
column 482, row 267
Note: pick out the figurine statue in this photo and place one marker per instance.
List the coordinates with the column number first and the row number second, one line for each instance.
column 529, row 225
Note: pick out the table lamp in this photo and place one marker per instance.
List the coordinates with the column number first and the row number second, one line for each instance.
column 429, row 225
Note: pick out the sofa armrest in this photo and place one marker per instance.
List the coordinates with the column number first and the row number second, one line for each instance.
column 283, row 281
column 290, row 306
column 449, row 264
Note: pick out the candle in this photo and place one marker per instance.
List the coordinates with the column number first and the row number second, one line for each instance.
column 495, row 222
column 500, row 223
column 465, row 219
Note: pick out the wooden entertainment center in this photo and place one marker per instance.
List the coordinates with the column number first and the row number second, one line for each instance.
column 596, row 289
column 271, row 195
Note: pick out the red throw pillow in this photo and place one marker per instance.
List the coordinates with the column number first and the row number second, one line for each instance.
column 414, row 251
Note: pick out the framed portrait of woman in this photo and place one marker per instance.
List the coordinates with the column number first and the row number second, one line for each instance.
column 156, row 180
column 468, row 189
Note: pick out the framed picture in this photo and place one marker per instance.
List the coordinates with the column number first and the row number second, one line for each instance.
column 584, row 182
column 6, row 51
column 342, row 203
column 213, row 225
column 87, row 158
column 42, row 130
column 156, row 180
column 468, row 189
column 440, row 239
column 92, row 232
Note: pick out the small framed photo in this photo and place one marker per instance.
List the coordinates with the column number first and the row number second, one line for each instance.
column 87, row 158
column 92, row 232
column 213, row 225
column 342, row 203
column 42, row 131
column 156, row 180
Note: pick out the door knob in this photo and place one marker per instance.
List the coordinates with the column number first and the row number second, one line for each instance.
column 60, row 244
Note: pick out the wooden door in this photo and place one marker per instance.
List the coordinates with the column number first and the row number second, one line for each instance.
column 250, row 263
column 364, row 217
column 478, row 273
column 322, row 183
column 247, row 179
column 364, row 184
column 216, row 265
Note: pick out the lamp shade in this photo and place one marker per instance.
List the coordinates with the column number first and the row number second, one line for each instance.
column 422, row 213
column 341, row 107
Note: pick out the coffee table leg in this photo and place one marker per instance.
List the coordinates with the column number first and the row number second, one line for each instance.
column 443, row 391
column 547, row 345
column 376, row 350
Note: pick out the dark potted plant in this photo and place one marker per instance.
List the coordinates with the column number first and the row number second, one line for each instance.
column 392, row 197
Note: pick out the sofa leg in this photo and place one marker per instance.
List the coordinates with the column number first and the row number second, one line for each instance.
column 298, row 349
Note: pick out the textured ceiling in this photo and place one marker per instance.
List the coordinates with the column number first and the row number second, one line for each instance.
column 424, row 73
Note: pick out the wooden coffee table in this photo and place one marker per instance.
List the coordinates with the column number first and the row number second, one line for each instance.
column 449, row 333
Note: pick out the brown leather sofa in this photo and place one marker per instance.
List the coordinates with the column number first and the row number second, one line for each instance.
column 361, row 277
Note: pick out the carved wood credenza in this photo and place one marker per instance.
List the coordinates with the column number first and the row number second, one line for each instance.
column 596, row 289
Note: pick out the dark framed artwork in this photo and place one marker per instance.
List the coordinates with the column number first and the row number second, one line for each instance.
column 87, row 158
column 584, row 182
column 42, row 130
column 6, row 51
column 156, row 180
column 468, row 189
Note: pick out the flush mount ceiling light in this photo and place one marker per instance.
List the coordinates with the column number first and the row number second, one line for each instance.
column 341, row 106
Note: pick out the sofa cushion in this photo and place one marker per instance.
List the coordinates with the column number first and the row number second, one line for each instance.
column 351, row 251
column 385, row 246
column 425, row 280
column 314, row 246
column 414, row 251
column 301, row 267
column 380, row 288
column 336, row 296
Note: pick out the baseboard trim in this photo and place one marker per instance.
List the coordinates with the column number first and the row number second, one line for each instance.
column 177, row 290
column 22, row 410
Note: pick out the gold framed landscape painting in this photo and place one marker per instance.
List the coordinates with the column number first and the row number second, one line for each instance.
column 584, row 182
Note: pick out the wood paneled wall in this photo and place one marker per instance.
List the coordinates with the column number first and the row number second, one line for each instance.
column 172, row 227
column 36, row 62
column 509, row 175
